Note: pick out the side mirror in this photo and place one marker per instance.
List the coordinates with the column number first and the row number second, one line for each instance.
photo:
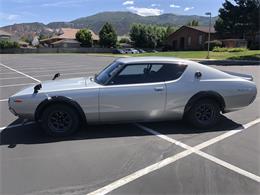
column 37, row 88
column 198, row 74
column 56, row 76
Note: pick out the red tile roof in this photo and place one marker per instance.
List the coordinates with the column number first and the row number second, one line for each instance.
column 70, row 33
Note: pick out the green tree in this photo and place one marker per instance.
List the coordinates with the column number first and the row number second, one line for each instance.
column 85, row 37
column 148, row 36
column 240, row 18
column 7, row 44
column 107, row 36
column 170, row 30
column 193, row 23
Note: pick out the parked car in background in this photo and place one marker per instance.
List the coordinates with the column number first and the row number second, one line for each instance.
column 136, row 90
column 131, row 51
column 119, row 51
column 141, row 51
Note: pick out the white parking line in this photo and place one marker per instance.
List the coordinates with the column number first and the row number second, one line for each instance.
column 53, row 67
column 4, row 100
column 189, row 150
column 49, row 75
column 197, row 148
column 17, row 125
column 14, row 85
column 20, row 73
column 47, row 70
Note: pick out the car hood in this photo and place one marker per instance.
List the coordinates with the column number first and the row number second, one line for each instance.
column 60, row 85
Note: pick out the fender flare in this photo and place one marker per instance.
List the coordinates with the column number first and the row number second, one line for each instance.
column 62, row 100
column 205, row 95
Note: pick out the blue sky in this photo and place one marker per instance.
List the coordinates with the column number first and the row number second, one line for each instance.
column 18, row 11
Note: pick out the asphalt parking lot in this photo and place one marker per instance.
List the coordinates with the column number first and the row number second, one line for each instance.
column 150, row 158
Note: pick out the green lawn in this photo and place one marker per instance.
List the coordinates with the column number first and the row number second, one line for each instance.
column 246, row 55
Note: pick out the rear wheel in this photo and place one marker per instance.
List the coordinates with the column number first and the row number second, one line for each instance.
column 60, row 120
column 204, row 113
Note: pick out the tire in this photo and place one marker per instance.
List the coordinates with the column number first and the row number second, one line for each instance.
column 204, row 114
column 60, row 120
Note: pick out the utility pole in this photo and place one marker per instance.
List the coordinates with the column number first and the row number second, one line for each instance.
column 209, row 14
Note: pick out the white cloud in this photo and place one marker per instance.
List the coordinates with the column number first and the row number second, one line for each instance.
column 128, row 3
column 70, row 3
column 188, row 8
column 155, row 5
column 143, row 11
column 12, row 17
column 175, row 6
column 9, row 17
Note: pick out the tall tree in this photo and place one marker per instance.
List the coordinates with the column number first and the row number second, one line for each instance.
column 148, row 36
column 107, row 36
column 240, row 18
column 170, row 30
column 193, row 23
column 85, row 37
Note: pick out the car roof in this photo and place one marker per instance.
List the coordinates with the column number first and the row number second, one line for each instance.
column 152, row 60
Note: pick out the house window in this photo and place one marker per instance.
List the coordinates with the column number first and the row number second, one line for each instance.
column 200, row 39
column 189, row 41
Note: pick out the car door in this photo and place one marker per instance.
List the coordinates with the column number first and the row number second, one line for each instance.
column 132, row 95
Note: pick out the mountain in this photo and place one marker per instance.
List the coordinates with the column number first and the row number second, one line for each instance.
column 28, row 30
column 122, row 22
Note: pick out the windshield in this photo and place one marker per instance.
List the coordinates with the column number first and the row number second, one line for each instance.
column 106, row 74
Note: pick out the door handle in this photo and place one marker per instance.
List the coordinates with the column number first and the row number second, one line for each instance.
column 158, row 88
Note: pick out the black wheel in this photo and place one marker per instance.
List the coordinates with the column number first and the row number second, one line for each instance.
column 204, row 114
column 60, row 120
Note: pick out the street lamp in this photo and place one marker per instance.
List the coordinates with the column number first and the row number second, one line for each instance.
column 209, row 14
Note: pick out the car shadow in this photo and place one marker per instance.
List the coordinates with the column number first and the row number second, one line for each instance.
column 32, row 134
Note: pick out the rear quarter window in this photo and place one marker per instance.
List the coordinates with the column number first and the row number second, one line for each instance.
column 168, row 72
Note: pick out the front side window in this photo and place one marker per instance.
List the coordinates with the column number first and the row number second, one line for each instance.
column 147, row 73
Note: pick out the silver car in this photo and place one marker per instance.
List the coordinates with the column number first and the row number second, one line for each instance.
column 135, row 90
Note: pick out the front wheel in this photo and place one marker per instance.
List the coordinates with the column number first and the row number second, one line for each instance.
column 204, row 114
column 60, row 120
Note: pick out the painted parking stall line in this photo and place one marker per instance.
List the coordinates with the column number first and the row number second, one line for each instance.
column 19, row 72
column 189, row 150
column 51, row 75
column 197, row 148
column 14, row 85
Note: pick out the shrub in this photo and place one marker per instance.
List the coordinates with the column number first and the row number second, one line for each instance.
column 212, row 44
column 225, row 49
column 7, row 44
column 237, row 49
column 220, row 49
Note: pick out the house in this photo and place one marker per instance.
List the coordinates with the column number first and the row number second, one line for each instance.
column 66, row 43
column 5, row 35
column 190, row 38
column 66, row 38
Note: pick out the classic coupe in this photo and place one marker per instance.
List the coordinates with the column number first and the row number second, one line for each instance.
column 137, row 89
